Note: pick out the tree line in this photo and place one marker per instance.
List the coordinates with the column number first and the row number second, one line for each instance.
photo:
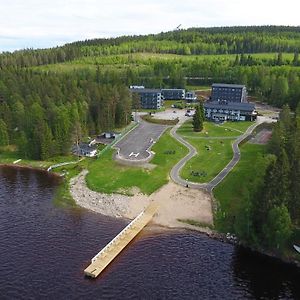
column 193, row 41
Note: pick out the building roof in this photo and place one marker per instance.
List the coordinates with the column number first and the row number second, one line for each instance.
column 228, row 85
column 145, row 90
column 85, row 147
column 230, row 105
column 173, row 90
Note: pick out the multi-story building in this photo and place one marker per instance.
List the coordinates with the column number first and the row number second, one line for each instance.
column 173, row 94
column 233, row 111
column 150, row 98
column 190, row 96
column 228, row 92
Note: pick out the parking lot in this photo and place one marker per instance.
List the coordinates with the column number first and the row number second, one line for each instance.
column 171, row 114
column 136, row 145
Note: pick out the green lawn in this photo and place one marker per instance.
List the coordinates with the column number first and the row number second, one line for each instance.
column 228, row 129
column 233, row 190
column 238, row 126
column 9, row 154
column 107, row 176
column 198, row 87
column 208, row 163
column 214, row 149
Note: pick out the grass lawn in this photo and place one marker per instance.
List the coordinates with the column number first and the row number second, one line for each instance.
column 228, row 129
column 107, row 176
column 214, row 148
column 9, row 154
column 150, row 119
column 197, row 87
column 238, row 126
column 208, row 162
column 232, row 191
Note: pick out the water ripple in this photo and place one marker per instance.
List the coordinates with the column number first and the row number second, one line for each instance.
column 44, row 250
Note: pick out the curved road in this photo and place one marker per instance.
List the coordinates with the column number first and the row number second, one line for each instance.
column 192, row 152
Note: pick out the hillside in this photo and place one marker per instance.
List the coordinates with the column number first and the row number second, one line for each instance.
column 56, row 96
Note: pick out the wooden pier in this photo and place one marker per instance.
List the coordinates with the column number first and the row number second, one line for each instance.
column 110, row 251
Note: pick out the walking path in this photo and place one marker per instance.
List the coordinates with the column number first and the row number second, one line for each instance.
column 175, row 172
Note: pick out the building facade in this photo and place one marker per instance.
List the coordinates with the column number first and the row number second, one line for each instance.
column 150, row 98
column 190, row 96
column 231, row 111
column 228, row 92
column 173, row 94
column 84, row 149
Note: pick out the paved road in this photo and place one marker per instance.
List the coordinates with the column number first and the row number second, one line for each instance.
column 192, row 152
column 135, row 146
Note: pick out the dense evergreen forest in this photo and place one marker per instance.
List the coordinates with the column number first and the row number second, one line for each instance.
column 45, row 113
column 270, row 213
column 50, row 98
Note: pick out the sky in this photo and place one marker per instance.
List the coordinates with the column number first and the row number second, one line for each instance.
column 43, row 24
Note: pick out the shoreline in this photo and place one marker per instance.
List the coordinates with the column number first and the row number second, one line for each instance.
column 210, row 233
column 29, row 167
column 175, row 202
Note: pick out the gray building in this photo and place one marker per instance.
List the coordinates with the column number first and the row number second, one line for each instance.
column 232, row 111
column 190, row 96
column 85, row 149
column 150, row 98
column 228, row 92
column 173, row 94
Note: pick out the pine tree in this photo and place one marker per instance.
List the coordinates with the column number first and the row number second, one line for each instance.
column 279, row 59
column 4, row 139
column 296, row 61
column 22, row 144
column 198, row 118
column 278, row 227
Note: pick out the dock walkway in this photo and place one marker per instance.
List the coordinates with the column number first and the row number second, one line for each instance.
column 110, row 251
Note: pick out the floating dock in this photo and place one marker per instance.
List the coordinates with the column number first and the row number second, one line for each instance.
column 110, row 251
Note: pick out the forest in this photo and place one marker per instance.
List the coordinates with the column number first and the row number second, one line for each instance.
column 50, row 98
column 44, row 114
column 270, row 213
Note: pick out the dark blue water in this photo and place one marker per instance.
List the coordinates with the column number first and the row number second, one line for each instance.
column 44, row 249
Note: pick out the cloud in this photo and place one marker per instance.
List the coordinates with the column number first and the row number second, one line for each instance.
column 38, row 22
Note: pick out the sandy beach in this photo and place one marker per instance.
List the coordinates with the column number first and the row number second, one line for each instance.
column 175, row 202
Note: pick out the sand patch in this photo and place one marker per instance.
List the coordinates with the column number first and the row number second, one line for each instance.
column 175, row 202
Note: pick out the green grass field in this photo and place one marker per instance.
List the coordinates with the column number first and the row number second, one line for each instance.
column 142, row 61
column 107, row 176
column 9, row 154
column 228, row 129
column 209, row 162
column 214, row 148
column 233, row 190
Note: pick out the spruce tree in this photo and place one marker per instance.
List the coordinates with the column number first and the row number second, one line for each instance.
column 198, row 118
column 4, row 140
column 296, row 61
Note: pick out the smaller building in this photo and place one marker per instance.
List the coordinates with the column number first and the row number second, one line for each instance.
column 150, row 98
column 190, row 96
column 228, row 92
column 223, row 111
column 173, row 94
column 85, row 149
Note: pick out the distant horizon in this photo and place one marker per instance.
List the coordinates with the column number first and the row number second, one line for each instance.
column 62, row 43
column 41, row 24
